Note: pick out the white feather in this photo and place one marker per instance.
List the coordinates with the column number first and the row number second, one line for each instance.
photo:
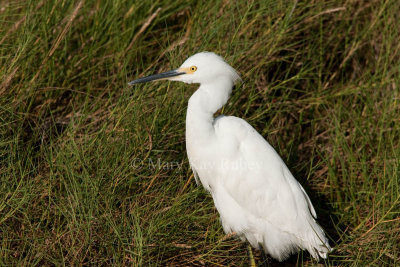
column 253, row 190
column 257, row 196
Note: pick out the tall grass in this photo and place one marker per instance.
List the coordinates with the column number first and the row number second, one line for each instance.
column 95, row 173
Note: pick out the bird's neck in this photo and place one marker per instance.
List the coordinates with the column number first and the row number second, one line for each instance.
column 202, row 106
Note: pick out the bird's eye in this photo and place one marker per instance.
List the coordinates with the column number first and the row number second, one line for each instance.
column 193, row 68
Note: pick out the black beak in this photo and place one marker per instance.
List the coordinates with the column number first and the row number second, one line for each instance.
column 159, row 76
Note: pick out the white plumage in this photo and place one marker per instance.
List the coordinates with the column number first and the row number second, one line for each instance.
column 253, row 190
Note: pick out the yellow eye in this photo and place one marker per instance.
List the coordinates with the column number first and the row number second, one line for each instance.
column 193, row 68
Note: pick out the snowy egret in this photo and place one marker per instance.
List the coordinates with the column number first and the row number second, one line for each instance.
column 254, row 192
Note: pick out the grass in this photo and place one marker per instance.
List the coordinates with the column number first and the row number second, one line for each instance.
column 95, row 173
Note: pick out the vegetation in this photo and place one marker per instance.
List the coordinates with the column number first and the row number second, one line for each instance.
column 94, row 172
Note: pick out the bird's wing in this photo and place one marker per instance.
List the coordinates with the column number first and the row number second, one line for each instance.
column 264, row 185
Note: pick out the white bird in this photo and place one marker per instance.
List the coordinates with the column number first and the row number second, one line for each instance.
column 256, row 195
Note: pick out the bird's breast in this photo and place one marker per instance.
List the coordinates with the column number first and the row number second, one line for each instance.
column 214, row 158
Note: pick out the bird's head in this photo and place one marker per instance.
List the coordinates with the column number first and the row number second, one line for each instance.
column 204, row 67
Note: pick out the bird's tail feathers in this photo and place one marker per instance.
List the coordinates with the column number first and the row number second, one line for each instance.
column 317, row 243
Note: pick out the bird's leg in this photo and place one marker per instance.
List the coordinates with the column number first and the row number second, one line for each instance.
column 264, row 258
column 252, row 262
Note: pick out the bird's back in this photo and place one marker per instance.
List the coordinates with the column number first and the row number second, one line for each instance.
column 256, row 195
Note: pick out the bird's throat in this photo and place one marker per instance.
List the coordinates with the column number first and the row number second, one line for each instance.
column 207, row 100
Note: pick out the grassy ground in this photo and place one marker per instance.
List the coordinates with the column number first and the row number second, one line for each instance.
column 95, row 173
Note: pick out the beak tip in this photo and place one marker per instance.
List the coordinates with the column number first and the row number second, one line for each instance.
column 135, row 82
